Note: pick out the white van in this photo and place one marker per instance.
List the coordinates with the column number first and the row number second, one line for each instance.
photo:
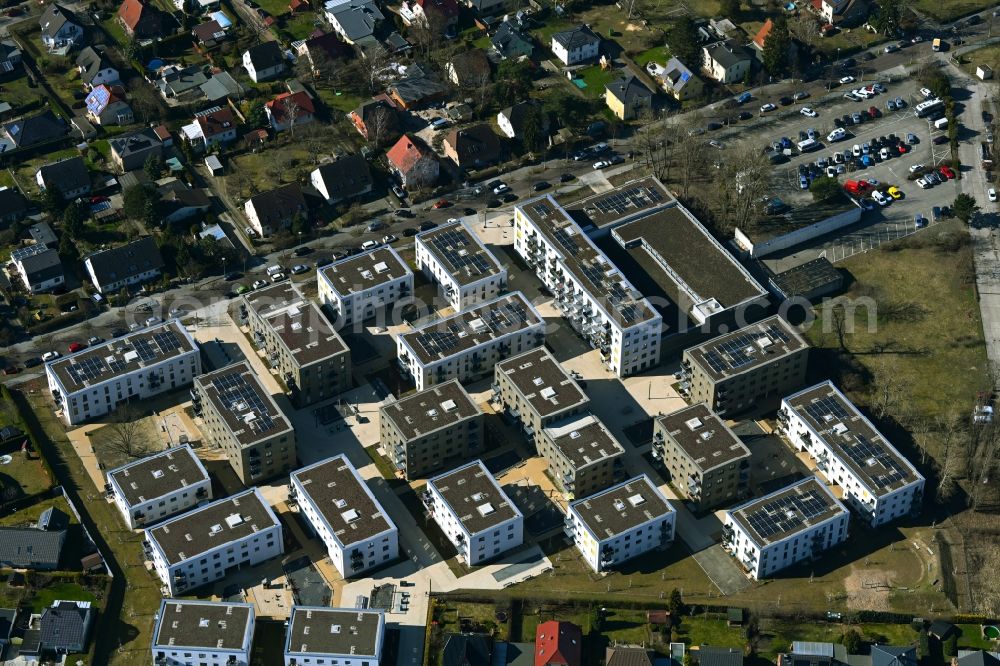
column 808, row 145
column 941, row 123
column 273, row 270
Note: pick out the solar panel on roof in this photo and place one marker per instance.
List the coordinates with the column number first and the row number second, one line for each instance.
column 742, row 349
column 826, row 409
column 458, row 250
column 239, row 396
column 620, row 201
column 786, row 513
column 98, row 100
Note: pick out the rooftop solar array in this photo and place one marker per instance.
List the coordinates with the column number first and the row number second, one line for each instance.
column 21, row 253
column 241, row 397
column 746, row 348
column 108, row 360
column 460, row 252
column 853, row 439
column 591, row 267
column 787, row 511
column 443, row 338
column 98, row 100
column 248, row 410
column 633, row 198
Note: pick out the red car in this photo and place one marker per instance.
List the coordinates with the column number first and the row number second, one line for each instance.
column 873, row 112
column 98, row 199
column 903, row 149
column 947, row 172
column 12, row 370
column 75, row 347
column 442, row 203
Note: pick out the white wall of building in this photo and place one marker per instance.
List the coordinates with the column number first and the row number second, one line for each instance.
column 459, row 296
column 655, row 532
column 481, row 546
column 361, row 305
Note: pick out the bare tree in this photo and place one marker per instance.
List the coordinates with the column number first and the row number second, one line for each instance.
column 373, row 64
column 124, row 432
column 292, row 112
column 749, row 170
column 888, row 389
column 379, row 126
column 804, row 28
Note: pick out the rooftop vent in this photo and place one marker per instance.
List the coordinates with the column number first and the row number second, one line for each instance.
column 449, row 406
column 693, row 424
column 381, row 267
column 485, row 509
column 233, row 520
column 636, row 500
column 157, row 473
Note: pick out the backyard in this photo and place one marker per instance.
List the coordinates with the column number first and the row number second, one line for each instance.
column 21, row 475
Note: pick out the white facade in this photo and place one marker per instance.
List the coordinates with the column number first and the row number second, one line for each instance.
column 129, row 484
column 490, row 538
column 633, row 537
column 263, row 74
column 351, row 555
column 475, row 351
column 762, row 557
column 321, row 636
column 506, row 127
column 139, row 380
column 580, row 50
column 207, row 633
column 876, row 503
column 625, row 350
column 67, row 195
column 374, row 287
column 461, row 288
column 210, row 559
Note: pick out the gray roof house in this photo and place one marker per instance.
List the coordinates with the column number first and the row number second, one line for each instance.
column 65, row 627
column 13, row 206
column 135, row 262
column 680, row 81
column 509, row 42
column 40, row 268
column 176, row 82
column 726, row 62
column 42, row 234
column 130, row 151
column 978, row 658
column 891, row 655
column 70, row 177
column 354, row 20
column 31, row 547
column 95, row 67
column 36, row 129
column 628, row 97
column 717, row 656
column 60, row 28
column 343, row 179
column 10, row 57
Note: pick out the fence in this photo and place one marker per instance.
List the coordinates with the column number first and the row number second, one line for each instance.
column 871, row 239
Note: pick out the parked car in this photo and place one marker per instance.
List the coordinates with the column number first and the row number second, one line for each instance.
column 259, row 284
column 95, row 340
column 74, row 347
column 916, row 167
column 911, row 138
column 900, row 102
column 441, row 203
column 298, row 269
column 11, row 370
column 427, row 225
column 33, row 362
column 946, row 172
column 389, row 238
column 744, row 98
column 50, row 356
column 302, row 251
column 939, row 140
column 399, row 192
column 844, row 80
column 600, row 164
column 767, row 108
column 895, row 192
column 745, row 115
column 540, row 185
column 566, row 177
column 799, row 96
column 922, row 183
column 992, row 194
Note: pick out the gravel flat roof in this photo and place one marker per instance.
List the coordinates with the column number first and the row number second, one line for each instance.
column 543, row 383
column 583, row 440
column 440, row 406
column 703, row 436
column 203, row 624
column 159, row 474
column 365, row 271
column 474, row 497
column 344, row 632
column 621, row 508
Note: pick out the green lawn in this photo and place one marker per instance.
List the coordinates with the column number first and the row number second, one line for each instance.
column 988, row 55
column 596, row 78
column 31, row 514
column 44, row 597
column 22, row 476
column 952, row 9
column 7, row 178
column 854, row 40
column 299, row 26
column 657, row 54
column 115, row 30
column 17, row 92
column 385, row 468
column 339, row 102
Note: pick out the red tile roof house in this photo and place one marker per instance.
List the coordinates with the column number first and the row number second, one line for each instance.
column 415, row 163
column 558, row 644
column 762, row 34
column 139, row 19
column 209, row 128
column 290, row 109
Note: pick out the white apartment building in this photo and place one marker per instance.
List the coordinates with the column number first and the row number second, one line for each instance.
column 466, row 271
column 879, row 483
column 790, row 525
column 208, row 633
column 474, row 513
column 202, row 545
column 92, row 382
column 466, row 345
column 343, row 512
column 620, row 523
column 358, row 287
column 601, row 305
column 159, row 486
column 321, row 636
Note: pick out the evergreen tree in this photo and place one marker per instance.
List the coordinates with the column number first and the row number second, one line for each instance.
column 682, row 40
column 775, row 55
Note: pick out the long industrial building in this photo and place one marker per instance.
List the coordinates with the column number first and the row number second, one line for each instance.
column 595, row 297
column 879, row 483
column 140, row 365
column 466, row 345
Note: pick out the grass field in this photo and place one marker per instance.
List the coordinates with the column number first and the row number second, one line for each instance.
column 988, row 55
column 927, row 333
column 596, row 79
column 952, row 9
column 22, row 476
column 44, row 597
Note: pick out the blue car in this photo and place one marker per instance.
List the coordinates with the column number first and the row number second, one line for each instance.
column 786, row 142
column 803, row 182
column 744, row 98
column 867, row 160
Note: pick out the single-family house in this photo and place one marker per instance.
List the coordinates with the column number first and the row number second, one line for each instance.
column 472, row 147
column 377, row 119
column 181, row 83
column 468, row 650
column 680, row 82
column 414, row 91
column 576, row 45
column 726, row 62
column 130, row 151
column 439, row 16
column 511, row 120
column 116, row 268
column 180, row 201
column 892, row 655
column 628, row 97
column 33, row 130
column 264, row 61
column 106, row 105
column 65, row 627
column 69, row 177
column 210, row 127
column 140, row 20
column 627, row 655
column 41, row 270
column 845, row 13
column 322, row 49
column 558, row 643
column 10, row 57
column 354, row 20
column 221, row 87
column 42, row 234
column 290, row 109
column 343, row 179
column 209, row 34
column 275, row 209
column 707, row 655
column 61, row 29
column 13, row 206
column 510, row 42
column 96, row 68
column 414, row 162
column 469, row 69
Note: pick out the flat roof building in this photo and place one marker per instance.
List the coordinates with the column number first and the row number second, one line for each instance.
column 582, row 454
column 474, row 513
column 535, row 390
column 221, row 634
column 241, row 529
column 594, row 296
column 747, row 368
column 344, row 636
column 705, row 459
column 432, row 429
column 620, row 523
column 466, row 345
column 792, row 524
column 148, row 362
column 359, row 287
column 598, row 214
column 159, row 486
column 340, row 508
column 879, row 483
column 241, row 417
column 299, row 343
column 467, row 273
column 678, row 253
